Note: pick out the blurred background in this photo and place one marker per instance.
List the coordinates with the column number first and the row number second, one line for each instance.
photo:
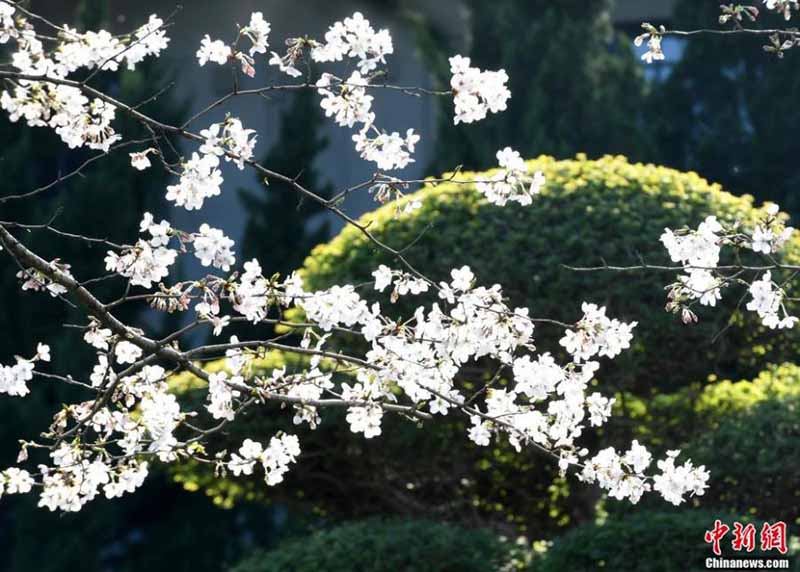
column 425, row 500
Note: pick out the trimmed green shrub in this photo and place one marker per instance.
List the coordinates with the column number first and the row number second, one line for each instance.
column 746, row 433
column 652, row 541
column 590, row 211
column 674, row 419
column 754, row 460
column 377, row 545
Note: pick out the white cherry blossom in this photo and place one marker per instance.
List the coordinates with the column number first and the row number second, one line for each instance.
column 512, row 182
column 215, row 51
column 477, row 92
column 200, row 180
column 354, row 38
column 213, row 248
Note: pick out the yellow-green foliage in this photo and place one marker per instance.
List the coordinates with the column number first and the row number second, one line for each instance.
column 721, row 398
column 590, row 211
column 675, row 418
column 746, row 433
column 753, row 455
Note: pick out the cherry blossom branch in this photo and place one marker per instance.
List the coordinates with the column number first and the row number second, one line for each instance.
column 409, row 366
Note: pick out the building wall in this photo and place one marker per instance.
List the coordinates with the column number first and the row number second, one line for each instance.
column 637, row 11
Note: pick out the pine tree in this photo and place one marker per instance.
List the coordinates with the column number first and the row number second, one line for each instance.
column 575, row 84
column 282, row 228
column 727, row 110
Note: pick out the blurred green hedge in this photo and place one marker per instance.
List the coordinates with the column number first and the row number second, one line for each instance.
column 674, row 419
column 377, row 545
column 754, row 459
column 746, row 433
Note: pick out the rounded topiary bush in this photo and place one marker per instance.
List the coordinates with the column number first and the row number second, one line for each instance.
column 754, row 460
column 377, row 545
column 590, row 211
column 653, row 541
column 671, row 420
column 746, row 433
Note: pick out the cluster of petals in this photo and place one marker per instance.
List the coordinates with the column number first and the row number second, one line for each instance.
column 699, row 252
column 76, row 478
column 213, row 248
column 34, row 280
column 477, row 92
column 623, row 475
column 354, row 38
column 275, row 459
column 78, row 120
column 783, row 7
column 597, row 334
column 767, row 302
column 14, row 378
column 143, row 264
column 201, row 179
column 215, row 51
column 230, row 140
column 512, row 182
column 652, row 38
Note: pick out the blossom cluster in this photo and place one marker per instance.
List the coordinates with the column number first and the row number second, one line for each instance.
column 476, row 92
column 652, row 36
column 75, row 479
column 548, row 405
column 784, row 7
column 623, row 475
column 698, row 251
column 355, row 38
column 14, row 378
column 77, row 119
column 596, row 334
column 142, row 422
column 404, row 283
column 767, row 302
column 350, row 106
column 274, row 459
column 35, row 280
column 148, row 261
column 512, row 182
column 230, row 140
column 213, row 248
column 216, row 51
column 201, row 177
